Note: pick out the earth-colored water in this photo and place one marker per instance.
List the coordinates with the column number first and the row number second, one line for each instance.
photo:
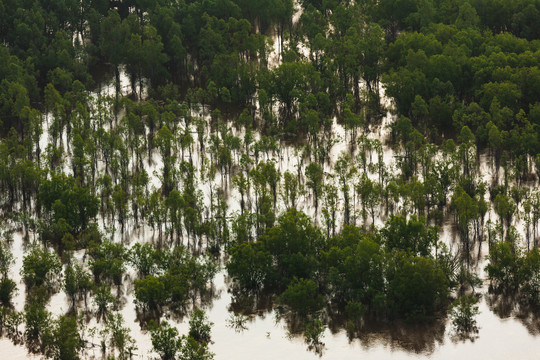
column 502, row 334
column 264, row 338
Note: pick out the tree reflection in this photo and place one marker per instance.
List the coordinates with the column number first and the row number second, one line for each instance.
column 506, row 303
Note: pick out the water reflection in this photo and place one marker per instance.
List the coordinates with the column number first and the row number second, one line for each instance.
column 506, row 304
column 397, row 335
column 201, row 299
column 471, row 335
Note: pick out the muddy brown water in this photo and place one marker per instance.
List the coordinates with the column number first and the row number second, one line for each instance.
column 502, row 334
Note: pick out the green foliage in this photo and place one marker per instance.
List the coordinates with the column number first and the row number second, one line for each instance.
column 145, row 258
column 511, row 269
column 530, row 277
column 119, row 338
column 314, row 175
column 462, row 74
column 504, row 207
column 104, row 300
column 503, row 264
column 417, row 287
column 77, row 282
column 293, row 244
column 355, row 264
column 411, row 235
column 150, row 292
column 64, row 339
column 107, row 262
column 165, row 341
column 37, row 325
column 178, row 273
column 193, row 350
column 396, row 278
column 199, row 327
column 70, row 207
column 6, row 259
column 41, row 267
column 8, row 288
column 314, row 332
column 250, row 265
column 464, row 311
column 302, row 296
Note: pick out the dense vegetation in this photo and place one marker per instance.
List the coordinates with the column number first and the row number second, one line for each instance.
column 218, row 144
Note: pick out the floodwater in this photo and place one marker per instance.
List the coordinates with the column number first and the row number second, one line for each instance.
column 502, row 334
column 499, row 337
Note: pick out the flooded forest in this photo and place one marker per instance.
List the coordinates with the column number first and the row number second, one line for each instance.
column 262, row 179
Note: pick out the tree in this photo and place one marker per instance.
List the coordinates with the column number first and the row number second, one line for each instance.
column 65, row 340
column 467, row 210
column 504, row 207
column 242, row 184
column 70, row 207
column 302, row 297
column 113, row 36
column 38, row 323
column 165, row 142
column 150, row 293
column 503, row 265
column 293, row 244
column 200, row 327
column 345, row 172
column 290, row 189
column 120, row 201
column 330, row 208
column 369, row 192
column 289, row 82
column 7, row 286
column 530, row 275
column 165, row 341
column 14, row 99
column 119, row 338
column 153, row 56
column 104, row 300
column 314, row 175
column 417, row 287
column 411, row 235
column 7, row 289
column 144, row 257
column 272, row 176
column 107, row 262
column 464, row 311
column 356, row 272
column 77, row 283
column 41, row 267
column 250, row 266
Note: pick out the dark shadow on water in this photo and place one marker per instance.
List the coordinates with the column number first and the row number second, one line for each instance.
column 200, row 299
column 250, row 304
column 420, row 338
column 506, row 304
column 463, row 337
